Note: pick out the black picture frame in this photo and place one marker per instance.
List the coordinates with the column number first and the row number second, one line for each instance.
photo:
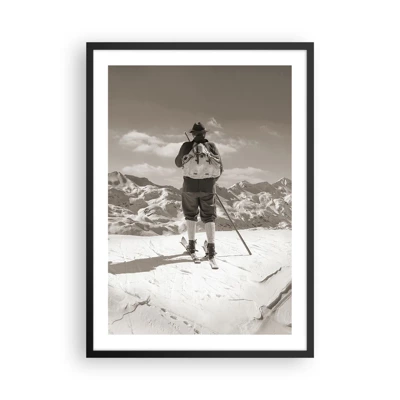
column 304, row 46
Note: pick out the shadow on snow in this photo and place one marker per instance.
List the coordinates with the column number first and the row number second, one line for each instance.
column 146, row 264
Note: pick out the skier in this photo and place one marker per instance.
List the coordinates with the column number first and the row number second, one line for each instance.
column 202, row 167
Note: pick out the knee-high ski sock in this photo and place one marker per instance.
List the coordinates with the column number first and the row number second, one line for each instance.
column 210, row 231
column 191, row 228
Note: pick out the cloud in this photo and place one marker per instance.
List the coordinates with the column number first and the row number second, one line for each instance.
column 140, row 142
column 214, row 124
column 133, row 138
column 176, row 136
column 215, row 127
column 227, row 146
column 242, row 142
column 169, row 150
column 274, row 133
column 146, row 170
column 225, row 149
column 219, row 134
column 173, row 176
column 270, row 130
column 235, row 175
column 156, row 174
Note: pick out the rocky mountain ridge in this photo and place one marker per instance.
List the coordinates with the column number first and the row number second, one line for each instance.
column 137, row 206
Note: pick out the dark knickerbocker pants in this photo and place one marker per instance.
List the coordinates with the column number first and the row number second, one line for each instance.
column 192, row 202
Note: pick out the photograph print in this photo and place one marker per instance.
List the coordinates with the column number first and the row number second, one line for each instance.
column 200, row 223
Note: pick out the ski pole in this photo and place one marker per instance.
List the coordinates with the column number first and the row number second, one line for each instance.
column 230, row 219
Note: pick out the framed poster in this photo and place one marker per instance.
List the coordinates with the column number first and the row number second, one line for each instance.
column 200, row 240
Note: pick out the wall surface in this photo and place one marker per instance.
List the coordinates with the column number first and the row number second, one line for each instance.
column 357, row 269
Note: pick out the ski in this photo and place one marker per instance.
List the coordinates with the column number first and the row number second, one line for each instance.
column 184, row 243
column 213, row 262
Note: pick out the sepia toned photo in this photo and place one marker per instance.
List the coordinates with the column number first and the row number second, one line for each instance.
column 200, row 241
column 199, row 200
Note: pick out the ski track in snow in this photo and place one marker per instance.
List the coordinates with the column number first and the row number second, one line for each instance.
column 155, row 287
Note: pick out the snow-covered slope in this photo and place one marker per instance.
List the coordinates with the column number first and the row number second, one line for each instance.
column 155, row 288
column 142, row 208
column 139, row 207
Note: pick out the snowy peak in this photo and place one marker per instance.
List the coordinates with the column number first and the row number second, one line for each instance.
column 139, row 207
column 284, row 182
column 263, row 187
column 245, row 187
column 241, row 184
column 116, row 179
column 141, row 181
column 283, row 186
column 226, row 193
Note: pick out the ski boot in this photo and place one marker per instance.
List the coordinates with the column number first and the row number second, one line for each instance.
column 210, row 254
column 192, row 247
column 211, row 251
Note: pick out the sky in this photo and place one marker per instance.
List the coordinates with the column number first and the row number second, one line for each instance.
column 247, row 110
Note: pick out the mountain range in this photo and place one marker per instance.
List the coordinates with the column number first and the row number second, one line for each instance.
column 137, row 206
